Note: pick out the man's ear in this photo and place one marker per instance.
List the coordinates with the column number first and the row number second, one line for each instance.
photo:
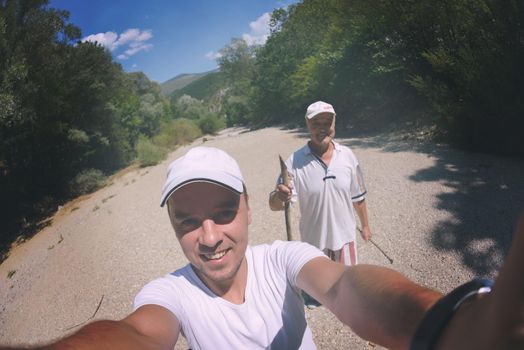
column 332, row 128
column 248, row 208
column 170, row 214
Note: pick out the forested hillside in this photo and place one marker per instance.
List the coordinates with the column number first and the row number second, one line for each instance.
column 456, row 65
column 179, row 82
column 204, row 88
column 69, row 115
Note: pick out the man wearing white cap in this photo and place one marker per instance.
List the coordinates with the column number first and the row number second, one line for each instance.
column 235, row 296
column 328, row 184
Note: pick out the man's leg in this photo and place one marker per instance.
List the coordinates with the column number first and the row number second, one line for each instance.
column 347, row 255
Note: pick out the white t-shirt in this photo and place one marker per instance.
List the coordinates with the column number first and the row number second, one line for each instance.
column 272, row 316
column 325, row 195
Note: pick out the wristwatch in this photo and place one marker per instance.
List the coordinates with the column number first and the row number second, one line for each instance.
column 438, row 316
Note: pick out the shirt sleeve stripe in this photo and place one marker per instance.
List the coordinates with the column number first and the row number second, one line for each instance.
column 360, row 195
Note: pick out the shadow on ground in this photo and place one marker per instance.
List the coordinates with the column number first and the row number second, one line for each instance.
column 486, row 198
column 485, row 195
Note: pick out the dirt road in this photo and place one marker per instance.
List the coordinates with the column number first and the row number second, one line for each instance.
column 441, row 214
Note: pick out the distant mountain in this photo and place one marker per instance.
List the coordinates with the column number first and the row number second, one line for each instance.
column 203, row 88
column 180, row 81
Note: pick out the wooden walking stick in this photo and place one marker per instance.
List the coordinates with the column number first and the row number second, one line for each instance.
column 382, row 251
column 286, row 179
column 378, row 247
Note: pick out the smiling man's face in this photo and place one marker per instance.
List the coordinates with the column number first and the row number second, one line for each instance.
column 321, row 128
column 211, row 224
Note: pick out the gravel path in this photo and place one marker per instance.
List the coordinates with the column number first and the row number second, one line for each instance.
column 441, row 214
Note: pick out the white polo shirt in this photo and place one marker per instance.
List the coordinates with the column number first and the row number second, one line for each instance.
column 325, row 195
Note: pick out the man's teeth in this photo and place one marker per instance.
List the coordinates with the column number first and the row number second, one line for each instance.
column 216, row 255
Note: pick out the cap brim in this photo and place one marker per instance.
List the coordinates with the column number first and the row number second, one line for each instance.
column 319, row 112
column 227, row 181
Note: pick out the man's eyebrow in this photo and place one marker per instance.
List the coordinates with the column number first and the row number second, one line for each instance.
column 179, row 216
column 229, row 203
column 232, row 203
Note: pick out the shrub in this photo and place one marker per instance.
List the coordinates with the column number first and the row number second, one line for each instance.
column 237, row 110
column 87, row 181
column 210, row 124
column 148, row 153
column 177, row 132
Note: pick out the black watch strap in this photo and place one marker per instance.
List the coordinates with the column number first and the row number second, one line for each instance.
column 434, row 321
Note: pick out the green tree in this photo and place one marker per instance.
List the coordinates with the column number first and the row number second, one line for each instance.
column 285, row 62
column 66, row 110
column 237, row 64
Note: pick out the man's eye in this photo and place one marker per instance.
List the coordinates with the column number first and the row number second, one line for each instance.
column 188, row 223
column 225, row 216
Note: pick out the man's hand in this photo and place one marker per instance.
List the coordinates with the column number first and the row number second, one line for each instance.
column 283, row 192
column 365, row 233
column 280, row 196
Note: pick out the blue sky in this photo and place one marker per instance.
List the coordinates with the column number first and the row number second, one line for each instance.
column 164, row 38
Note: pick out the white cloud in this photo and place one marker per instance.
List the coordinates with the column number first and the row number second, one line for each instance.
column 257, row 36
column 132, row 41
column 213, row 55
column 106, row 39
column 137, row 47
column 259, row 30
column 134, row 35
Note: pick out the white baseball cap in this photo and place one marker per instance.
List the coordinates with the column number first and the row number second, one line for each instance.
column 319, row 107
column 203, row 164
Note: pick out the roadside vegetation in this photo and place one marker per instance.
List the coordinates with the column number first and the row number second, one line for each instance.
column 70, row 117
column 455, row 65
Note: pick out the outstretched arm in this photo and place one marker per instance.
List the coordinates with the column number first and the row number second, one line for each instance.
column 385, row 307
column 149, row 327
column 378, row 303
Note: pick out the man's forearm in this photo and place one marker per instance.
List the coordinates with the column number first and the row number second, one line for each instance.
column 103, row 335
column 380, row 304
column 362, row 212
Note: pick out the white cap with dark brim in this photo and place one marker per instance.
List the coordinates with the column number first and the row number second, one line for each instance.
column 319, row 107
column 203, row 164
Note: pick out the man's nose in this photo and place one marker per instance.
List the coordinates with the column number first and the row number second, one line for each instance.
column 210, row 234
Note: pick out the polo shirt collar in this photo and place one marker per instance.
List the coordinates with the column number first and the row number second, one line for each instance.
column 335, row 144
